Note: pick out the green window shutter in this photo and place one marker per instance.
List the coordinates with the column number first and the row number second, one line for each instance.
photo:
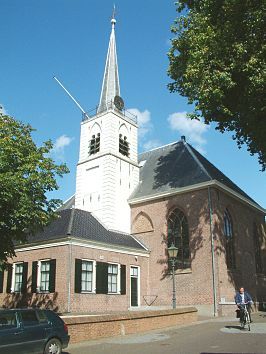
column 101, row 278
column 1, row 280
column 123, row 275
column 52, row 275
column 78, row 264
column 9, row 278
column 24, row 277
column 34, row 276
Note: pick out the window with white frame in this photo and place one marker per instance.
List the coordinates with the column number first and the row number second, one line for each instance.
column 113, row 277
column 18, row 277
column 87, row 276
column 44, row 275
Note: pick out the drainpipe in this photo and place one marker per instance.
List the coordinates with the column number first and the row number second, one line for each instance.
column 69, row 230
column 69, row 276
column 215, row 312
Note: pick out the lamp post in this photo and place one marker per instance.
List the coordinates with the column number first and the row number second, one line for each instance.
column 172, row 253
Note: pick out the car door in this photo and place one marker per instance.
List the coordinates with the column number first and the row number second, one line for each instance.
column 11, row 333
column 34, row 332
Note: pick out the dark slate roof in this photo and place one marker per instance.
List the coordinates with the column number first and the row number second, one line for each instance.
column 81, row 224
column 174, row 166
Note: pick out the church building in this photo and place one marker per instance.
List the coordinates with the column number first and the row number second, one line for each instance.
column 108, row 248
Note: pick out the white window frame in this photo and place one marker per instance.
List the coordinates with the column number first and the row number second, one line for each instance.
column 39, row 290
column 93, row 276
column 138, row 267
column 13, row 277
column 118, row 289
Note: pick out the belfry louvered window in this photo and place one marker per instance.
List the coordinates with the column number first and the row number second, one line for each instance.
column 94, row 144
column 229, row 241
column 123, row 145
column 178, row 234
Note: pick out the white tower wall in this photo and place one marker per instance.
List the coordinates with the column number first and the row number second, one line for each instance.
column 106, row 179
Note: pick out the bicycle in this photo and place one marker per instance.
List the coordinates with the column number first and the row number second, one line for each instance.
column 244, row 317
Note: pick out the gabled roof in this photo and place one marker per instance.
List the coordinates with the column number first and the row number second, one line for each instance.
column 81, row 224
column 176, row 166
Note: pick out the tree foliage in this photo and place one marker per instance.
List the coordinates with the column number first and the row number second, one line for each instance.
column 26, row 174
column 217, row 60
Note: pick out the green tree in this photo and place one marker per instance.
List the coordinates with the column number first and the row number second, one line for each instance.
column 26, row 174
column 217, row 60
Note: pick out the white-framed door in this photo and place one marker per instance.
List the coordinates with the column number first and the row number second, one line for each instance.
column 134, row 286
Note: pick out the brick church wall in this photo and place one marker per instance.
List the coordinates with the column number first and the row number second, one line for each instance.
column 243, row 219
column 195, row 285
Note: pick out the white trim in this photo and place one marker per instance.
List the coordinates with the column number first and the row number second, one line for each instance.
column 38, row 284
column 118, row 283
column 67, row 200
column 160, row 147
column 238, row 196
column 168, row 194
column 82, row 244
column 138, row 284
column 93, row 286
column 197, row 186
column 106, row 153
column 12, row 289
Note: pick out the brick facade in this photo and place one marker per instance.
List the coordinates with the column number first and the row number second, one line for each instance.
column 63, row 300
column 194, row 286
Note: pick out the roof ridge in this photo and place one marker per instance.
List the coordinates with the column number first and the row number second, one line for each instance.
column 158, row 147
column 71, row 219
column 189, row 148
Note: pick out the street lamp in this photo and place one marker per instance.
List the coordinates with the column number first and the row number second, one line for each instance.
column 172, row 252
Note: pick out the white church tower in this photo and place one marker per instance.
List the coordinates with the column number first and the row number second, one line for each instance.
column 107, row 171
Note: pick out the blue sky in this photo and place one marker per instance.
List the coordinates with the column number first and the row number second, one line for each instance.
column 69, row 39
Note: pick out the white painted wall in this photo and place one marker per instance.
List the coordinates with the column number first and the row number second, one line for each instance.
column 105, row 180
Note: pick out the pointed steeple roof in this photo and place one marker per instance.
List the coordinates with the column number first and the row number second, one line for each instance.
column 110, row 86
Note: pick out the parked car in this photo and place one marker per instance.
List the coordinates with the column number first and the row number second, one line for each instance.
column 28, row 331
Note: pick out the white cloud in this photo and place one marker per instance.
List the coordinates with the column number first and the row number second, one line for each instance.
column 192, row 129
column 2, row 109
column 151, row 144
column 59, row 146
column 144, row 121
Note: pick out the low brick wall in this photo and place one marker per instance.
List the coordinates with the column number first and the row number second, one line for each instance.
column 83, row 328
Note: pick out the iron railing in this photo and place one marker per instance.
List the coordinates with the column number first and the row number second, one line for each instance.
column 109, row 106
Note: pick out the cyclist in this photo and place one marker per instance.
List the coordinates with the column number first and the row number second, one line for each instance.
column 242, row 297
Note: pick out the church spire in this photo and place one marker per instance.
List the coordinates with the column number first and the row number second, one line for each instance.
column 110, row 85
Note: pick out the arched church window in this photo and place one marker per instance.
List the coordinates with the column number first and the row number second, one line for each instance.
column 123, row 145
column 178, row 234
column 94, row 144
column 257, row 249
column 229, row 241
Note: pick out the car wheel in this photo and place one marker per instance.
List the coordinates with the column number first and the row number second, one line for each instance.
column 53, row 346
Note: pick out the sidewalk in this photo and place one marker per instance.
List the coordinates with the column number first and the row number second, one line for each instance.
column 207, row 335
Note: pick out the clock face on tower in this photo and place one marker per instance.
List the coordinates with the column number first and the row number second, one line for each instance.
column 119, row 103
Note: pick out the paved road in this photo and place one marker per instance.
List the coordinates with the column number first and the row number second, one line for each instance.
column 206, row 336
